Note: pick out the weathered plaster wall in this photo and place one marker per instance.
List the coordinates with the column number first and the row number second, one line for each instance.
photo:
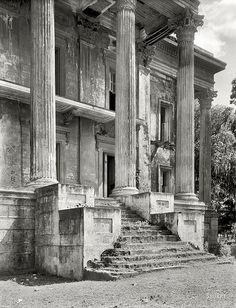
column 15, row 45
column 92, row 72
column 16, row 231
column 15, row 40
column 162, row 87
column 70, row 149
column 14, row 144
column 88, row 154
column 72, row 154
column 143, row 130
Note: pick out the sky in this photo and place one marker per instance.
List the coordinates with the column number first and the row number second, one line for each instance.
column 218, row 35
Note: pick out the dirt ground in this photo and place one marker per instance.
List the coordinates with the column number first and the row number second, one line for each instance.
column 197, row 286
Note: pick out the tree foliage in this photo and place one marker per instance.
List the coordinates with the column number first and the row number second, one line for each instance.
column 223, row 139
column 233, row 92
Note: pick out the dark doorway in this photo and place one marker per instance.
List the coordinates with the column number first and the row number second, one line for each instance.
column 58, row 161
column 109, row 174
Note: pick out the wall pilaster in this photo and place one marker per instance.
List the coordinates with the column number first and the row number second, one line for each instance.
column 145, row 54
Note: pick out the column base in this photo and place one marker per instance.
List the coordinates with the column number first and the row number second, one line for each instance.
column 124, row 191
column 186, row 196
column 41, row 183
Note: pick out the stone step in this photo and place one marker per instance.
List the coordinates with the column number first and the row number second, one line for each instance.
column 131, row 219
column 152, row 245
column 141, row 227
column 147, row 238
column 129, row 214
column 143, row 248
column 156, row 250
column 111, row 273
column 151, row 256
column 145, row 232
column 142, row 265
column 107, row 275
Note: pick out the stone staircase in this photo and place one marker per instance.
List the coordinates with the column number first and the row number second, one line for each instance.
column 143, row 248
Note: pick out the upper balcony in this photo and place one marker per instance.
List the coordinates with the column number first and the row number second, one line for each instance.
column 20, row 93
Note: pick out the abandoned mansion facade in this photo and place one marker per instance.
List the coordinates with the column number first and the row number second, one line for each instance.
column 96, row 115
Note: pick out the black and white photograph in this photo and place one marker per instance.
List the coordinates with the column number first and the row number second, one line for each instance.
column 117, row 153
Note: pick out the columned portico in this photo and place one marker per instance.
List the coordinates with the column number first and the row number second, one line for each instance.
column 185, row 107
column 125, row 123
column 43, row 115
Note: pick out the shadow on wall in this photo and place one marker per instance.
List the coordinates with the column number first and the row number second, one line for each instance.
column 16, row 232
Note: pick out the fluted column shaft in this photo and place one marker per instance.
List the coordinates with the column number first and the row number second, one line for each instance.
column 43, row 116
column 185, row 109
column 205, row 154
column 185, row 117
column 125, row 122
column 205, row 99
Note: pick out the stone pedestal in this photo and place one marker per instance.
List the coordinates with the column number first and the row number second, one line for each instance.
column 125, row 123
column 185, row 107
column 190, row 221
column 43, row 115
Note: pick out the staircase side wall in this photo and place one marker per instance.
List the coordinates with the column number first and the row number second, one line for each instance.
column 139, row 203
column 69, row 231
column 47, row 239
column 188, row 225
column 59, row 229
column 16, row 231
column 102, row 227
column 150, row 203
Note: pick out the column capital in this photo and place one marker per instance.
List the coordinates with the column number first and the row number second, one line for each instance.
column 126, row 5
column 145, row 53
column 186, row 25
column 206, row 97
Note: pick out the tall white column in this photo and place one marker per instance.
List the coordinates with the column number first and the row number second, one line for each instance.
column 43, row 114
column 185, row 107
column 125, row 122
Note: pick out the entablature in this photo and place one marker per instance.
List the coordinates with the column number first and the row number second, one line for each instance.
column 166, row 61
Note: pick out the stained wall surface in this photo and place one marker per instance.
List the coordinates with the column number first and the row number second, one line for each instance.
column 16, row 231
column 163, row 88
